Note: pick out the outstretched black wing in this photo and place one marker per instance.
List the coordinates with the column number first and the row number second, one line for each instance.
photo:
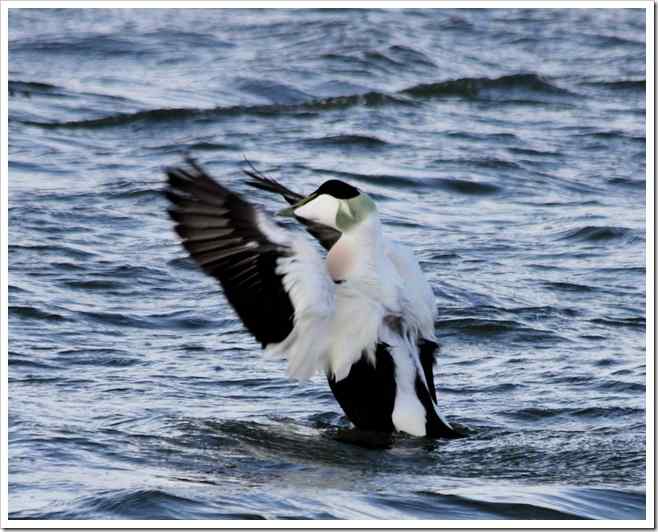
column 229, row 239
column 327, row 236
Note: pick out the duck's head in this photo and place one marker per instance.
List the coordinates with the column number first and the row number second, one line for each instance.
column 335, row 204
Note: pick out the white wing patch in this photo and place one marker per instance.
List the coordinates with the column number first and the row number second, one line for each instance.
column 417, row 298
column 408, row 412
column 312, row 294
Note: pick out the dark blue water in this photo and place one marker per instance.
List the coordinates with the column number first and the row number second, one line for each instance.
column 507, row 147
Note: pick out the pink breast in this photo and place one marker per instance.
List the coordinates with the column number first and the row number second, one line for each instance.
column 339, row 261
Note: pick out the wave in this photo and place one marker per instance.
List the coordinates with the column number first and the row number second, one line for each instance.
column 409, row 55
column 567, row 287
column 598, row 39
column 592, row 412
column 620, row 85
column 622, row 387
column 639, row 322
column 194, row 146
column 33, row 313
column 453, row 506
column 369, row 141
column 627, row 182
column 558, row 502
column 616, row 134
column 485, row 327
column 502, row 138
column 36, row 88
column 172, row 320
column 85, row 45
column 181, row 114
column 31, row 87
column 273, row 91
column 463, row 186
column 68, row 250
column 94, row 284
column 140, row 504
column 512, row 87
column 595, row 233
column 94, row 356
column 16, row 360
column 535, row 153
column 375, row 179
column 505, row 87
column 503, row 387
column 485, row 163
column 480, row 502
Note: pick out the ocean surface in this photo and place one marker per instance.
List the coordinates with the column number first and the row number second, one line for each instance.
column 506, row 146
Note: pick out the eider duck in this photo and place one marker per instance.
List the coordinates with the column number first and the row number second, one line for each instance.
column 363, row 315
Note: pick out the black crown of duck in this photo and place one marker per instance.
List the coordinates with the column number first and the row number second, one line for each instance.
column 338, row 189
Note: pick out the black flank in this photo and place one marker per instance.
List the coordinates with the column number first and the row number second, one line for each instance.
column 367, row 394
